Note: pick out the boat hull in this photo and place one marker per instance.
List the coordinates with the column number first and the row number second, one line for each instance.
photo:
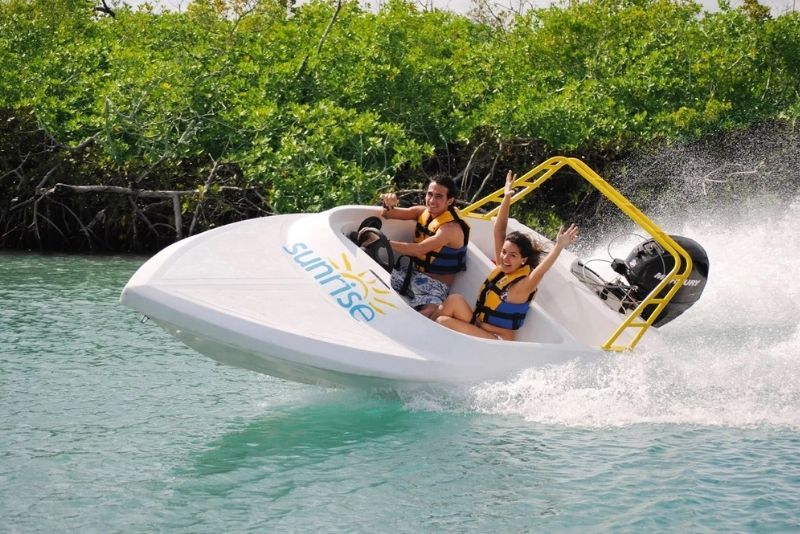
column 291, row 296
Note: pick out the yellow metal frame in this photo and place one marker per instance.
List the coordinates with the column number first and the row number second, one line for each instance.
column 676, row 277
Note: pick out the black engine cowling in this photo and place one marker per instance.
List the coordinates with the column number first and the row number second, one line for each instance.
column 646, row 266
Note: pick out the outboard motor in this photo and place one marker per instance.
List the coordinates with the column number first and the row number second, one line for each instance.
column 646, row 266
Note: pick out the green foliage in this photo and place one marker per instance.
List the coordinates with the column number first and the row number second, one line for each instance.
column 326, row 155
column 321, row 114
column 613, row 75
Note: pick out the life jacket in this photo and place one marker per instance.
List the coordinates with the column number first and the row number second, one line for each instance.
column 491, row 307
column 443, row 260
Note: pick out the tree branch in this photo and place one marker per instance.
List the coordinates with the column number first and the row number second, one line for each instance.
column 207, row 184
column 488, row 174
column 304, row 64
column 104, row 8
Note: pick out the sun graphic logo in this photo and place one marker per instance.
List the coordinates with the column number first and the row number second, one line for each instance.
column 361, row 294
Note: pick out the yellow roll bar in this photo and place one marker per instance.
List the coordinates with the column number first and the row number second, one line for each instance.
column 676, row 277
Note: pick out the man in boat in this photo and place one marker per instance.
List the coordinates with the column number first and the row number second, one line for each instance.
column 504, row 299
column 439, row 250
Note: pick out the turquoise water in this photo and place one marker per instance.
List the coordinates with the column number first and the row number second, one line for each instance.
column 110, row 425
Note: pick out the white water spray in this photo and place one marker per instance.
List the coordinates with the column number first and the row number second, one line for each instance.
column 733, row 359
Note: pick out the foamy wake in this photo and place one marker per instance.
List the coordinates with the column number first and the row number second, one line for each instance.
column 733, row 359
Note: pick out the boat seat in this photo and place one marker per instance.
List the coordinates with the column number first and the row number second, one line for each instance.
column 538, row 327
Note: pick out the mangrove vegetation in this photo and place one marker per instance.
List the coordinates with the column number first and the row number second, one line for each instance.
column 124, row 129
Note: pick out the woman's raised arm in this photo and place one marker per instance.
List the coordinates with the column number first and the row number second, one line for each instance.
column 501, row 221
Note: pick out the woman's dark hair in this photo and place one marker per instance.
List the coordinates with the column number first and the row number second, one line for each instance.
column 528, row 249
column 447, row 182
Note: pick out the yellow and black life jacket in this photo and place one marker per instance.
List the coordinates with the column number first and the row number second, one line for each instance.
column 492, row 307
column 444, row 260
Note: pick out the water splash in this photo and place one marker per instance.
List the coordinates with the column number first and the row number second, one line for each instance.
column 733, row 359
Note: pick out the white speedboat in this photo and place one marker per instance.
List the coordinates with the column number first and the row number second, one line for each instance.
column 294, row 297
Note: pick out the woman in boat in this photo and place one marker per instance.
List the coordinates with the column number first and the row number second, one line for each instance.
column 505, row 296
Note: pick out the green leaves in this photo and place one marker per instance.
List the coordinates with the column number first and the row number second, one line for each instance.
column 323, row 155
column 383, row 91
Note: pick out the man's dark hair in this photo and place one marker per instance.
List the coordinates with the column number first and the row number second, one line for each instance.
column 447, row 182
